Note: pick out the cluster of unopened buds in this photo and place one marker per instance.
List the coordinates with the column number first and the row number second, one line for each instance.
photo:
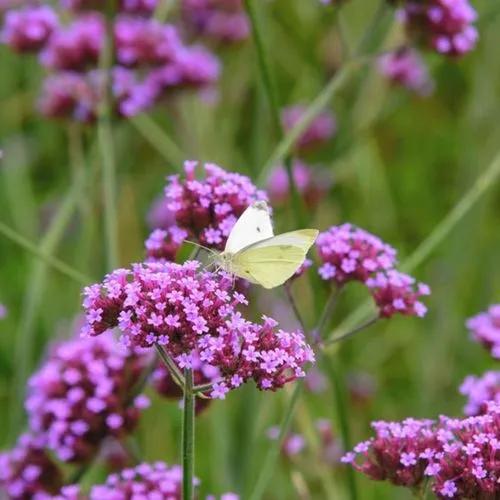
column 150, row 61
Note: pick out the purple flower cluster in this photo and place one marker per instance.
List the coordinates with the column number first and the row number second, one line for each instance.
column 27, row 472
column 480, row 390
column 461, row 457
column 405, row 67
column 193, row 314
column 349, row 253
column 319, row 132
column 485, row 329
column 220, row 20
column 151, row 63
column 444, row 25
column 157, row 480
column 80, row 396
column 293, row 443
column 209, row 207
column 164, row 244
column 28, row 29
column 312, row 183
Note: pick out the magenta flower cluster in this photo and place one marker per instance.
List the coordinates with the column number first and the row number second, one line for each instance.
column 221, row 20
column 480, row 390
column 151, row 63
column 349, row 253
column 485, row 329
column 209, row 207
column 406, row 68
column 163, row 245
column 27, row 472
column 80, row 396
column 461, row 457
column 194, row 314
column 446, row 26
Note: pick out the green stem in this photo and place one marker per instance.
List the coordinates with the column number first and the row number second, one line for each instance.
column 267, row 469
column 320, row 102
column 188, row 437
column 42, row 253
column 352, row 332
column 170, row 364
column 106, row 144
column 157, row 137
column 341, row 406
column 327, row 311
column 270, row 90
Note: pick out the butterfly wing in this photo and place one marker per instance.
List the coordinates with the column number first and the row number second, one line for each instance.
column 273, row 261
column 253, row 225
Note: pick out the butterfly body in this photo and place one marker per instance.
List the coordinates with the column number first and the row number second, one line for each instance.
column 254, row 253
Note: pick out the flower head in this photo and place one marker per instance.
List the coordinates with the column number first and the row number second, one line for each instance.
column 209, row 207
column 443, row 25
column 312, row 183
column 28, row 29
column 349, row 253
column 397, row 293
column 479, row 391
column 163, row 244
column 27, row 472
column 221, row 20
column 81, row 395
column 405, row 67
column 194, row 314
column 320, row 131
column 485, row 329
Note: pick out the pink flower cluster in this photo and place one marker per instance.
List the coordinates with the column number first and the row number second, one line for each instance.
column 80, row 396
column 319, row 132
column 193, row 314
column 461, row 457
column 485, row 329
column 209, row 207
column 157, row 480
column 405, row 67
column 164, row 244
column 349, row 253
column 220, row 20
column 27, row 472
column 444, row 25
column 480, row 390
column 312, row 183
column 151, row 63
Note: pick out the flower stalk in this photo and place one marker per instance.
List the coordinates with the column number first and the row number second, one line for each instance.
column 188, row 436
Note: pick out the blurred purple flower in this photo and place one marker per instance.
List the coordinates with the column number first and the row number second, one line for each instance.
column 312, row 183
column 405, row 67
column 221, row 20
column 159, row 215
column 485, row 329
column 444, row 25
column 27, row 472
column 3, row 311
column 480, row 390
column 194, row 314
column 320, row 131
column 293, row 443
column 28, row 29
column 81, row 395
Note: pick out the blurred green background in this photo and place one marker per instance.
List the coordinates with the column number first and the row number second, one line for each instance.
column 399, row 163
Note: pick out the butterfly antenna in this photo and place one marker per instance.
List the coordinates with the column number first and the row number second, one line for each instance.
column 210, row 250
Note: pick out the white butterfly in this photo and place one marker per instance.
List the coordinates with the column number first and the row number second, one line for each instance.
column 253, row 252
